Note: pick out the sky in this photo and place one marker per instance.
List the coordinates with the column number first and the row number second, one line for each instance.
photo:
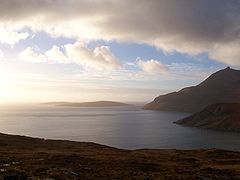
column 130, row 51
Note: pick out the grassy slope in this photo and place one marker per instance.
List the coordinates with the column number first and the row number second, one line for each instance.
column 22, row 157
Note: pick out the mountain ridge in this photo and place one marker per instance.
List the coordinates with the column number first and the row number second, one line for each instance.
column 221, row 86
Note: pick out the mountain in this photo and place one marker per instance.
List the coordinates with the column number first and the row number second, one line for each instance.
column 222, row 86
column 89, row 104
column 221, row 116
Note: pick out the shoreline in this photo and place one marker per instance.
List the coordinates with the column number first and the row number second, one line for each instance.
column 182, row 148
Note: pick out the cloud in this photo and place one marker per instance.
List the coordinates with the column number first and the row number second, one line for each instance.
column 31, row 55
column 229, row 54
column 55, row 55
column 186, row 26
column 99, row 58
column 1, row 54
column 152, row 66
column 11, row 37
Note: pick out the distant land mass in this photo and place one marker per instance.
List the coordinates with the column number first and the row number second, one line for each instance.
column 221, row 87
column 89, row 104
column 221, row 116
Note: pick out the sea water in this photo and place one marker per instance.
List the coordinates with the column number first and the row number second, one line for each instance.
column 128, row 127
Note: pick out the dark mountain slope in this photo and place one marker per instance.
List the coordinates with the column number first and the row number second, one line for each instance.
column 222, row 116
column 222, row 86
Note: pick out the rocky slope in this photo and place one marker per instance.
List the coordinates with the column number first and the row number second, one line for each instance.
column 222, row 86
column 32, row 158
column 221, row 116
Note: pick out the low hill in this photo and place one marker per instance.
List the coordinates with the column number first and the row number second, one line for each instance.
column 222, row 86
column 221, row 116
column 89, row 104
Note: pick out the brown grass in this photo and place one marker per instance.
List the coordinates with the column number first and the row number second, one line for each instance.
column 31, row 158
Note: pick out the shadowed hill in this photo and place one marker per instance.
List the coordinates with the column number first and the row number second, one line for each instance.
column 222, row 116
column 222, row 86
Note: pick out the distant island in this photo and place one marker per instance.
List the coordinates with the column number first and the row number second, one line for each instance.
column 89, row 104
column 33, row 158
column 221, row 116
column 222, row 86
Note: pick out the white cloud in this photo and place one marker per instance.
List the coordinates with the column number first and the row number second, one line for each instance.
column 31, row 55
column 55, row 55
column 152, row 66
column 11, row 37
column 1, row 54
column 228, row 54
column 185, row 26
column 100, row 58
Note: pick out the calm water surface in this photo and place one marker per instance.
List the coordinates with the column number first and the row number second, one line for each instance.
column 123, row 127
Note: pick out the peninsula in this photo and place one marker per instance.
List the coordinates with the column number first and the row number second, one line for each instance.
column 220, row 116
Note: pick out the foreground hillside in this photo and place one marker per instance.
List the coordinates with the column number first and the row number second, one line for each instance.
column 222, row 86
column 221, row 116
column 23, row 157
